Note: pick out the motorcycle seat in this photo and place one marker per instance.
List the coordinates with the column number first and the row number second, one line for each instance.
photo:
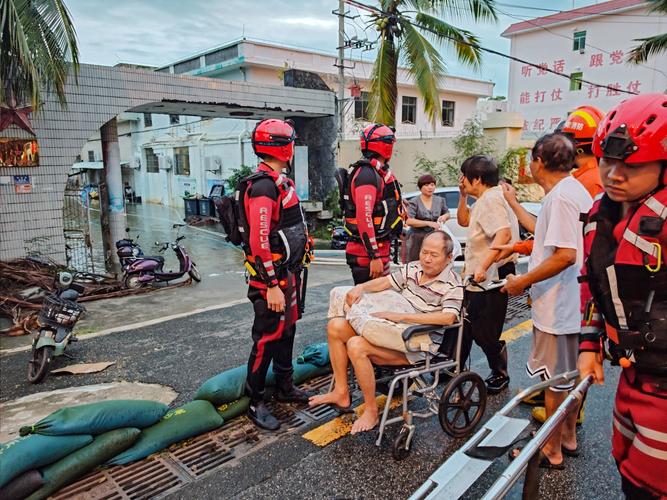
column 157, row 258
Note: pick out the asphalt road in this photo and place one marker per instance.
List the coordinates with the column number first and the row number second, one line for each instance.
column 184, row 352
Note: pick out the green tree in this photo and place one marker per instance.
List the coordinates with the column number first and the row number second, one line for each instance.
column 407, row 28
column 37, row 44
column 468, row 142
column 652, row 45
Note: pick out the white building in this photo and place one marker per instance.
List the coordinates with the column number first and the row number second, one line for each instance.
column 167, row 156
column 590, row 43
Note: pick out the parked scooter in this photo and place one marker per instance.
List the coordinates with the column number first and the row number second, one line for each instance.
column 56, row 320
column 146, row 269
column 128, row 249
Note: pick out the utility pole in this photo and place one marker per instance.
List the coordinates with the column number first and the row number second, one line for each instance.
column 341, row 68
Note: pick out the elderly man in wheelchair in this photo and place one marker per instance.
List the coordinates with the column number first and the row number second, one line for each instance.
column 391, row 322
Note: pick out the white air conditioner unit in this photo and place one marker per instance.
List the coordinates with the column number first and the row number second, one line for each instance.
column 213, row 164
column 165, row 162
column 136, row 162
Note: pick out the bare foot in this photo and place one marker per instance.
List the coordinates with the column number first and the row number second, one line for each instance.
column 341, row 399
column 367, row 421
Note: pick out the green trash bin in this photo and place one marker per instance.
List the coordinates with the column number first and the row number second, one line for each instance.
column 191, row 207
column 206, row 207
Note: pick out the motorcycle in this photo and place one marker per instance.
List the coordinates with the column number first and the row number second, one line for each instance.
column 56, row 320
column 142, row 270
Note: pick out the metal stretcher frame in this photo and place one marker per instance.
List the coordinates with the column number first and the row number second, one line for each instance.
column 453, row 478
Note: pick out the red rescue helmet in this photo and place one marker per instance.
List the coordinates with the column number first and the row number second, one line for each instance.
column 378, row 138
column 274, row 138
column 635, row 131
column 581, row 124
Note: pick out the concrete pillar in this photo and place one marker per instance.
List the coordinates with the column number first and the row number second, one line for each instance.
column 320, row 135
column 114, row 219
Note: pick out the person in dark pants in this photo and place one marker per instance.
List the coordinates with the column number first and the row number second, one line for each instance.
column 270, row 204
column 372, row 205
column 490, row 222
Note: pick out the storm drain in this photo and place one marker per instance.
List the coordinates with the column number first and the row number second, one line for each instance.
column 182, row 463
column 518, row 308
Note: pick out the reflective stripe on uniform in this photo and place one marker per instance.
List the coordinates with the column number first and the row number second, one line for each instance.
column 591, row 226
column 645, row 246
column 618, row 305
column 657, row 207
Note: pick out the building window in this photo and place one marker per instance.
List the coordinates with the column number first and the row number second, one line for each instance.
column 182, row 161
column 409, row 109
column 448, row 113
column 361, row 107
column 575, row 81
column 222, row 55
column 152, row 164
column 91, row 155
column 174, row 119
column 186, row 66
column 579, row 41
column 148, row 120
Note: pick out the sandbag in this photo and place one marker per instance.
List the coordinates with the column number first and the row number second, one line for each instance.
column 231, row 410
column 22, row 486
column 178, row 424
column 97, row 418
column 315, row 354
column 223, row 387
column 31, row 452
column 83, row 460
column 229, row 385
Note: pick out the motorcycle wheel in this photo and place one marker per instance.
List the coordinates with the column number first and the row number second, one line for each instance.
column 133, row 282
column 194, row 273
column 38, row 366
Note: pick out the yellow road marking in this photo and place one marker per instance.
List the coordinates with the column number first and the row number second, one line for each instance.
column 518, row 331
column 340, row 426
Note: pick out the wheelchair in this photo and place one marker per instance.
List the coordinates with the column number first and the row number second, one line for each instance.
column 461, row 405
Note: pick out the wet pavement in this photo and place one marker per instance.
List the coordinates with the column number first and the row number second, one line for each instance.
column 203, row 329
column 184, row 352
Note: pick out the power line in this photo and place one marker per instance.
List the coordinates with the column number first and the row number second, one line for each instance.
column 376, row 11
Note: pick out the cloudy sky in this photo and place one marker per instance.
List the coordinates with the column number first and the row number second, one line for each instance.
column 156, row 32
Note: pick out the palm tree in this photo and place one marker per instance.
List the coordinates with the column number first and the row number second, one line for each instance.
column 652, row 45
column 407, row 28
column 37, row 42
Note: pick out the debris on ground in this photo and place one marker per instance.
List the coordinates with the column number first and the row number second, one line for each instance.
column 81, row 368
column 24, row 282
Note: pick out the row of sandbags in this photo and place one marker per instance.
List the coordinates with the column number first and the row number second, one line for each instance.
column 72, row 441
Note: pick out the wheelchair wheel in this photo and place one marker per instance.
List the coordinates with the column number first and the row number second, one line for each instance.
column 401, row 449
column 462, row 404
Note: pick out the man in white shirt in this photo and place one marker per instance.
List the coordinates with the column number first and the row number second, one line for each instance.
column 553, row 270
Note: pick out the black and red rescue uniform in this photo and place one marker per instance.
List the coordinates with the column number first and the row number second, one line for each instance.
column 271, row 204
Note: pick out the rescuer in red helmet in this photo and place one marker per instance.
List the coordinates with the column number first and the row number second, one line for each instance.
column 624, row 287
column 275, row 241
column 372, row 205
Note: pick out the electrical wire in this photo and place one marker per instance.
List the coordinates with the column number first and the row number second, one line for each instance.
column 377, row 11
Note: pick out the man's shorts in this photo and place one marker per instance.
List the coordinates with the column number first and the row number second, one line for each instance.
column 552, row 355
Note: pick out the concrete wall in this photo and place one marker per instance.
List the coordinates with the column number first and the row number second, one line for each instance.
column 404, row 157
column 103, row 93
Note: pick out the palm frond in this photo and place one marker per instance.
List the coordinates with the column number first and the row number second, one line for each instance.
column 384, row 89
column 425, row 65
column 658, row 6
column 647, row 48
column 37, row 43
column 457, row 10
column 464, row 42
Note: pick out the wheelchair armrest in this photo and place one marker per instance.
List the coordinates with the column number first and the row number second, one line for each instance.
column 411, row 331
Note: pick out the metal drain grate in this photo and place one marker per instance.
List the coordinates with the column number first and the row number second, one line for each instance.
column 518, row 308
column 183, row 462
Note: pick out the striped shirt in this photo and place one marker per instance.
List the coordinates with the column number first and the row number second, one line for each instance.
column 444, row 293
